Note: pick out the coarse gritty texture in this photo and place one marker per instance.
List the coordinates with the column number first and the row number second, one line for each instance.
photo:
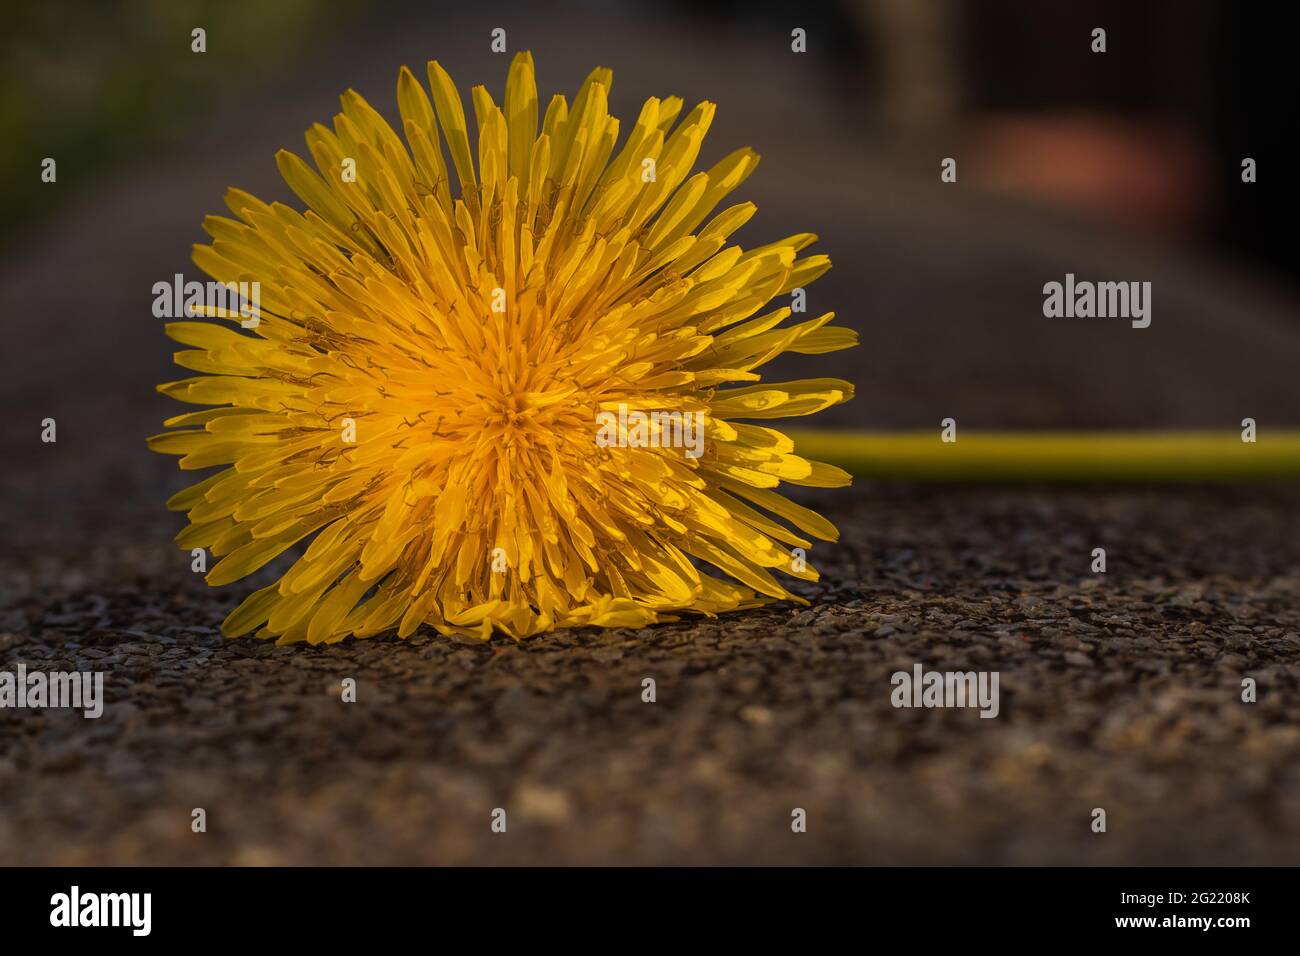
column 1119, row 690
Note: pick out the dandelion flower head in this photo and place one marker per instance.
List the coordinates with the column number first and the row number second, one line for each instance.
column 461, row 399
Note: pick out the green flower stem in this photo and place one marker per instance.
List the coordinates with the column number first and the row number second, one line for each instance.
column 1160, row 456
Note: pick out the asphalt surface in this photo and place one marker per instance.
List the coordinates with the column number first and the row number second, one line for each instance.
column 1119, row 690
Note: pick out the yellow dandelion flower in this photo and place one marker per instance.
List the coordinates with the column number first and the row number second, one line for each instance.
column 511, row 409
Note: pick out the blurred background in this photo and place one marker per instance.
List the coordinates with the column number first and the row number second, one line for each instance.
column 1117, row 166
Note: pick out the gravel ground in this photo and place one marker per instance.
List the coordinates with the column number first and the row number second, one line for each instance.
column 1119, row 691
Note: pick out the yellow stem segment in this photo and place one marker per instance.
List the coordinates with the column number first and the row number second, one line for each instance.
column 1161, row 456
